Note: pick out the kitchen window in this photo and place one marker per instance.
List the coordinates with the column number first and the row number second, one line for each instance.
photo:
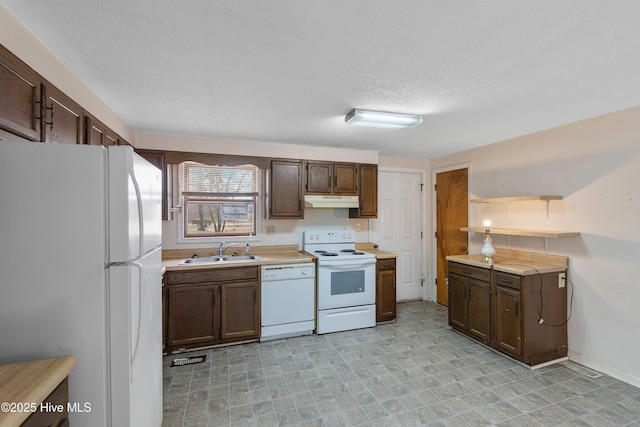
column 219, row 201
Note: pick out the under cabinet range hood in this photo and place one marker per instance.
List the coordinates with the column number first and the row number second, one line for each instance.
column 330, row 201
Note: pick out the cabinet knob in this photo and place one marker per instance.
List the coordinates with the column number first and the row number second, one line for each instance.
column 463, row 248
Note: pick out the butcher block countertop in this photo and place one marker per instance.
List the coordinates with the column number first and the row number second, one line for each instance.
column 30, row 383
column 517, row 262
column 380, row 254
column 282, row 254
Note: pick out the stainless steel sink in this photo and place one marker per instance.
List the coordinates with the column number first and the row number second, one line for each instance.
column 240, row 258
column 200, row 260
column 217, row 259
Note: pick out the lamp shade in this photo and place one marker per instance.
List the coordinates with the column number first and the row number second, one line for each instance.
column 381, row 119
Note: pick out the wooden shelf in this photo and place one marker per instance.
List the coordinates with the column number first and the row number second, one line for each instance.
column 515, row 199
column 521, row 232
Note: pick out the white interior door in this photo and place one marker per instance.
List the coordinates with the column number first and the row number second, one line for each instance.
column 398, row 228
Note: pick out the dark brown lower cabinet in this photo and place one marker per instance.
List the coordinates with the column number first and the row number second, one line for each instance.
column 386, row 290
column 212, row 306
column 470, row 301
column 58, row 398
column 523, row 317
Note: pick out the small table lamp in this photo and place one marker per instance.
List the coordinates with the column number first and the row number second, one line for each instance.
column 487, row 250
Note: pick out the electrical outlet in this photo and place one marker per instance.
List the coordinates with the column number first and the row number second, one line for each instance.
column 562, row 278
column 271, row 229
column 356, row 226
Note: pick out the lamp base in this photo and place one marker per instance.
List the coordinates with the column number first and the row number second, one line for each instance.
column 488, row 259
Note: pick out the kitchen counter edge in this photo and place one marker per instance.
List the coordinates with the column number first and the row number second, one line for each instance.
column 31, row 382
column 297, row 257
column 507, row 264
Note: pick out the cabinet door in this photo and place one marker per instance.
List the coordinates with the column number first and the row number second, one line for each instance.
column 240, row 310
column 285, row 189
column 63, row 118
column 95, row 132
column 20, row 98
column 458, row 301
column 479, row 309
column 368, row 193
column 386, row 291
column 194, row 315
column 319, row 177
column 158, row 159
column 508, row 327
column 345, row 179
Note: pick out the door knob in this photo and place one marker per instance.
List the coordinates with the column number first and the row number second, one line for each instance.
column 463, row 248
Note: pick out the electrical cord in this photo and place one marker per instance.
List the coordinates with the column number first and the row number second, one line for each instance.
column 540, row 308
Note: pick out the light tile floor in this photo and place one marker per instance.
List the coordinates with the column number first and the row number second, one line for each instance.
column 416, row 371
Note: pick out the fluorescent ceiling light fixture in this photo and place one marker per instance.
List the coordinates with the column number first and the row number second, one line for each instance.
column 380, row 119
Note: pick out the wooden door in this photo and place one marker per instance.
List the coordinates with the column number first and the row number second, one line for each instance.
column 345, row 179
column 240, row 311
column 285, row 189
column 458, row 309
column 319, row 177
column 479, row 309
column 508, row 324
column 452, row 212
column 368, row 193
column 194, row 316
column 398, row 228
column 20, row 98
column 96, row 132
column 386, row 291
column 63, row 118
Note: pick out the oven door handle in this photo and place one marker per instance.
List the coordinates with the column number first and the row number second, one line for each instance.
column 347, row 266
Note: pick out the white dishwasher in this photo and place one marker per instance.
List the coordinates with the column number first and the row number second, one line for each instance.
column 288, row 300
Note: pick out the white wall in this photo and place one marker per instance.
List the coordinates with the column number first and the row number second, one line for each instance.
column 595, row 165
column 288, row 231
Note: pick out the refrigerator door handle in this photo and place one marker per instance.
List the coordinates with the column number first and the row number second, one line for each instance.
column 136, row 187
column 134, row 349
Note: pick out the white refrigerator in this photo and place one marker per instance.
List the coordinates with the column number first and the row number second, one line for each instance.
column 80, row 274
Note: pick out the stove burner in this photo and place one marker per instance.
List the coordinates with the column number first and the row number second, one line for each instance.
column 325, row 253
column 348, row 250
column 357, row 253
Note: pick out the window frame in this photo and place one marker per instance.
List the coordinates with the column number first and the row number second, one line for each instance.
column 184, row 197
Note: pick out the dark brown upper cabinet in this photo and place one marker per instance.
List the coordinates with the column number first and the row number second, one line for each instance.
column 368, row 195
column 20, row 99
column 284, row 197
column 63, row 119
column 332, row 178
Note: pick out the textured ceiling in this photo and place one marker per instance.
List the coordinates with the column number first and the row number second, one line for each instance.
column 289, row 70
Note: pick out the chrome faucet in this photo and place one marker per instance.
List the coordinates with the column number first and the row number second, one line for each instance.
column 224, row 248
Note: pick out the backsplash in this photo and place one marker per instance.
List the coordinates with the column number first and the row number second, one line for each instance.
column 287, row 232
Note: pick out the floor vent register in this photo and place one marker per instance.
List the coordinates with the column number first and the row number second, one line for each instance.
column 184, row 361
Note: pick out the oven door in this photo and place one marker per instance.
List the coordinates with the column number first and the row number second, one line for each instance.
column 346, row 283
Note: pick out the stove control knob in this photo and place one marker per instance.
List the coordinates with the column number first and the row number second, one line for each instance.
column 317, row 236
column 350, row 236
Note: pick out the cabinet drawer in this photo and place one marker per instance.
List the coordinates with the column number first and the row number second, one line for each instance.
column 386, row 264
column 214, row 275
column 478, row 273
column 508, row 280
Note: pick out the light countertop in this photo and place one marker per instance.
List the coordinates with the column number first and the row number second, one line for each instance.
column 379, row 253
column 285, row 254
column 31, row 383
column 516, row 262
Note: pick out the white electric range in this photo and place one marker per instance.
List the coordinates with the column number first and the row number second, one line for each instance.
column 346, row 281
